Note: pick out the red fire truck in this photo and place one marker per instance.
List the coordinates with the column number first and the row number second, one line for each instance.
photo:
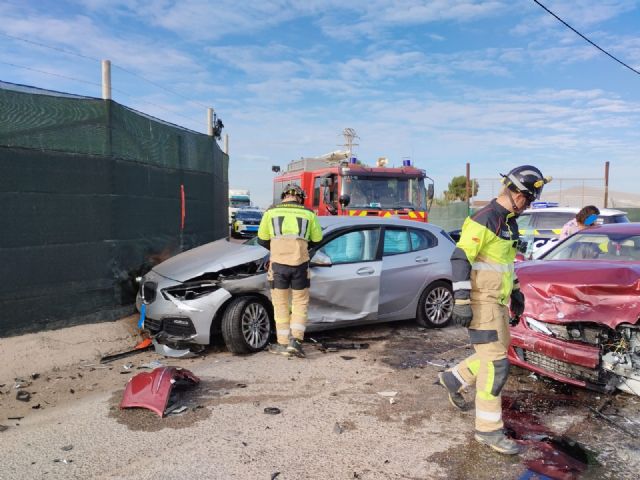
column 347, row 187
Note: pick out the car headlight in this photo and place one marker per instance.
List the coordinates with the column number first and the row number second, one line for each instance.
column 191, row 291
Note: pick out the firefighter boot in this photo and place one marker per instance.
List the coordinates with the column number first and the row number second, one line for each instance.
column 453, row 386
column 279, row 349
column 498, row 441
column 295, row 348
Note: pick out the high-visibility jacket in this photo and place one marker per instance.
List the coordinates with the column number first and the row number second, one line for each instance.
column 484, row 258
column 287, row 229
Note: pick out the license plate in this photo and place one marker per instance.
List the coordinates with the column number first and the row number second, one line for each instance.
column 252, row 228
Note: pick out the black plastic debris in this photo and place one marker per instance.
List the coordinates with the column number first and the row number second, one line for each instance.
column 274, row 475
column 36, row 407
column 337, row 428
column 23, row 396
column 15, row 418
column 3, row 428
column 335, row 346
column 67, row 448
column 346, row 357
column 272, row 410
column 35, row 376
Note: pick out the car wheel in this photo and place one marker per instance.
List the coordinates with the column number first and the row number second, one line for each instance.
column 436, row 305
column 246, row 325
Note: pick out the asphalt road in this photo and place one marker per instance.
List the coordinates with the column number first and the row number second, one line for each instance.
column 334, row 423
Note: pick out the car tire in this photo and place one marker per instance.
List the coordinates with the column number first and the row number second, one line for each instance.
column 436, row 305
column 246, row 325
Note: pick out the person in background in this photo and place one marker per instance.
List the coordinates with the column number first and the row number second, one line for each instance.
column 584, row 218
column 484, row 284
column 288, row 230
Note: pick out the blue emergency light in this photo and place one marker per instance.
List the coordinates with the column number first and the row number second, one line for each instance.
column 544, row 204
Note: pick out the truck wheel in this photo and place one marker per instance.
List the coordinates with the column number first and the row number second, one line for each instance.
column 436, row 305
column 246, row 325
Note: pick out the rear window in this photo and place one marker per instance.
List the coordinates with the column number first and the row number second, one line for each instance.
column 613, row 219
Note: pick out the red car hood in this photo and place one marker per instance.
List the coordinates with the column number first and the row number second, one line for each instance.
column 564, row 291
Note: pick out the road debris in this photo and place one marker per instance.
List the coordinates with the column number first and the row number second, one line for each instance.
column 346, row 357
column 3, row 428
column 274, row 475
column 23, row 396
column 337, row 428
column 152, row 364
column 387, row 394
column 272, row 410
column 67, row 448
column 143, row 346
column 335, row 346
column 153, row 390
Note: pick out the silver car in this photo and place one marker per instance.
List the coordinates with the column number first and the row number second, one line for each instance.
column 365, row 270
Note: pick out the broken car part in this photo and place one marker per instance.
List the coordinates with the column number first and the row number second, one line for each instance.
column 144, row 345
column 151, row 390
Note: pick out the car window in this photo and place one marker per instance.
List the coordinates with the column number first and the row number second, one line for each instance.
column 421, row 239
column 597, row 247
column 552, row 220
column 524, row 221
column 354, row 246
column 396, row 241
column 612, row 219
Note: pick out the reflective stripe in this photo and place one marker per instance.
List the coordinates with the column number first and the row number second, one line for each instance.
column 473, row 366
column 489, row 416
column 496, row 267
column 282, row 332
column 298, row 327
column 277, row 223
column 456, row 374
column 464, row 285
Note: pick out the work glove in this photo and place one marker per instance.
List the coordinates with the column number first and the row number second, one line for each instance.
column 517, row 303
column 462, row 314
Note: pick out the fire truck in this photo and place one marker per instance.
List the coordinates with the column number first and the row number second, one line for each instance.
column 339, row 184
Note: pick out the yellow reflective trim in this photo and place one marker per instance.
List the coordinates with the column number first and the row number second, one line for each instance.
column 352, row 213
column 422, row 214
column 473, row 366
column 557, row 231
column 485, row 392
column 363, row 213
column 387, row 214
column 412, row 215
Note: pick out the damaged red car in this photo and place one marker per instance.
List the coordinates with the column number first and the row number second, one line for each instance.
column 580, row 324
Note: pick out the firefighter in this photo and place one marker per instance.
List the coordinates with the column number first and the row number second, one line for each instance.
column 289, row 230
column 484, row 283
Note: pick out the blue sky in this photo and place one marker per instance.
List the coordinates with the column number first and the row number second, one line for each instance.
column 496, row 83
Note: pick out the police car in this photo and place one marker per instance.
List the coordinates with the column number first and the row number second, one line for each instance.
column 543, row 222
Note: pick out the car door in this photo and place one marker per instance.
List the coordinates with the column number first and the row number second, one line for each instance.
column 405, row 270
column 347, row 291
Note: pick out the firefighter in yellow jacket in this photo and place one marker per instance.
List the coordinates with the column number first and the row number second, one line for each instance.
column 288, row 230
column 484, row 283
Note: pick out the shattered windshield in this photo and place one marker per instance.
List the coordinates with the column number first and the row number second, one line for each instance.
column 607, row 247
column 385, row 192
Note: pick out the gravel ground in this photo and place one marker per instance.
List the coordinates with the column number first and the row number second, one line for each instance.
column 333, row 421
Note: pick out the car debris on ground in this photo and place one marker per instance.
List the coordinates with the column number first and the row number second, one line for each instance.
column 153, row 390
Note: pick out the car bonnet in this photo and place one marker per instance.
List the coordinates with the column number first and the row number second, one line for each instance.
column 209, row 258
column 564, row 291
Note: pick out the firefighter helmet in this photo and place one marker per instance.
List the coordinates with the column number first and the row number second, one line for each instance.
column 526, row 179
column 294, row 190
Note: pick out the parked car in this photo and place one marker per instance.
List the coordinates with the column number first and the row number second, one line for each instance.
column 246, row 222
column 544, row 224
column 365, row 270
column 582, row 304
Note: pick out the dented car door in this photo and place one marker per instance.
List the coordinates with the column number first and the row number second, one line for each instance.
column 346, row 289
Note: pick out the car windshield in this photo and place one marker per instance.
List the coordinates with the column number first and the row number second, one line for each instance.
column 598, row 246
column 248, row 215
column 385, row 192
column 239, row 201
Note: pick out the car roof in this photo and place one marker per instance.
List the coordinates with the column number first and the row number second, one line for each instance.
column 341, row 221
column 604, row 212
column 613, row 228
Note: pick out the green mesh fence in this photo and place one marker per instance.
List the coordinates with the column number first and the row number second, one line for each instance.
column 449, row 217
column 92, row 198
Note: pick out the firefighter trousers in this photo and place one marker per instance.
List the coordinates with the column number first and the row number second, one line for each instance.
column 290, row 298
column 488, row 367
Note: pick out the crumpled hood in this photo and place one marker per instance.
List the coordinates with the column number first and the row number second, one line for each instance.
column 561, row 291
column 209, row 258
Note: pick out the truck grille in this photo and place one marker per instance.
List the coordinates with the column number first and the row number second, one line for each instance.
column 179, row 326
column 570, row 370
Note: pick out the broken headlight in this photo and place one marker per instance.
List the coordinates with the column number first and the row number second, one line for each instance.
column 191, row 290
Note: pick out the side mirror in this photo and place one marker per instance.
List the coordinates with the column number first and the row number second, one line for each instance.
column 344, row 200
column 430, row 191
column 320, row 259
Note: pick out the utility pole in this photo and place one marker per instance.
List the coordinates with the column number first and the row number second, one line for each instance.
column 606, row 184
column 210, row 121
column 468, row 191
column 106, row 79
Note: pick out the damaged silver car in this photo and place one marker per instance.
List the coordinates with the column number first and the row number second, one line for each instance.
column 365, row 270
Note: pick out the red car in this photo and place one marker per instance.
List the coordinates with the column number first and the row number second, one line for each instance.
column 582, row 304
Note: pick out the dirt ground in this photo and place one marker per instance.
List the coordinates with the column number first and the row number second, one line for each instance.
column 364, row 413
